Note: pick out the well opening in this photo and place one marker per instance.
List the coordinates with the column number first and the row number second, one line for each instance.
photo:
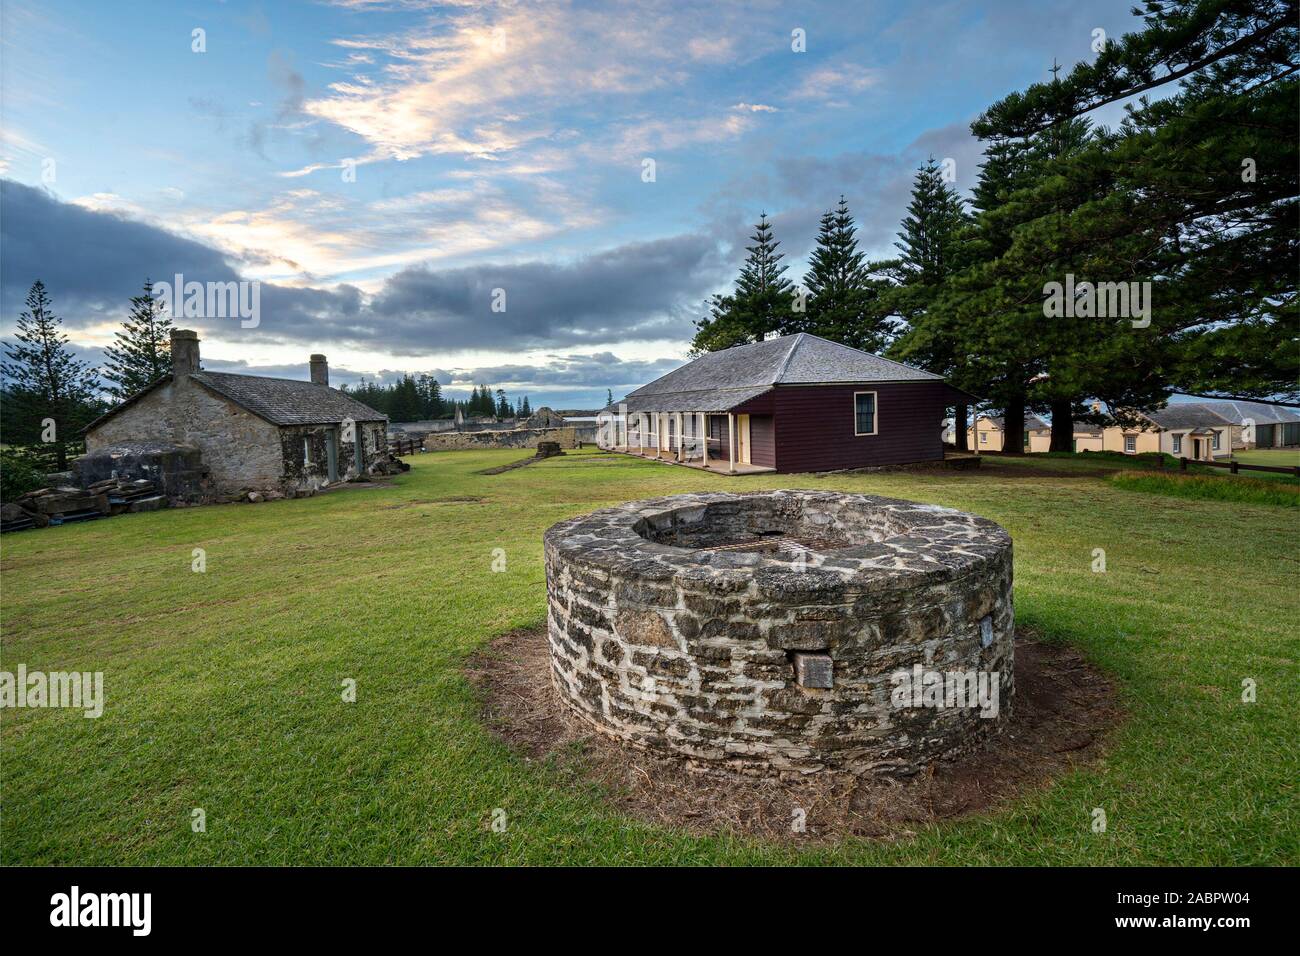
column 767, row 524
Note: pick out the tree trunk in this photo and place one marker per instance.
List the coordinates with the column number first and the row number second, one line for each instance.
column 1062, row 426
column 959, row 426
column 1013, row 427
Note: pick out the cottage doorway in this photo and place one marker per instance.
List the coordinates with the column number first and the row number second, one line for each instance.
column 332, row 453
column 742, row 439
column 1196, row 449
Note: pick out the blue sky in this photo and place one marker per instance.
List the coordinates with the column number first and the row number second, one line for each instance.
column 495, row 145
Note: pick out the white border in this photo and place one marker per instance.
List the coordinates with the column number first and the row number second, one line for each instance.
column 875, row 415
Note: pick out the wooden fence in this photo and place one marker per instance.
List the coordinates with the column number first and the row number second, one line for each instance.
column 1237, row 466
column 404, row 446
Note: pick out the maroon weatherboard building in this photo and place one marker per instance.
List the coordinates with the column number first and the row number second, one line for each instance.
column 788, row 404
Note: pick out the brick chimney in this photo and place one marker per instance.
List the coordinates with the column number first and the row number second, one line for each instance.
column 185, row 352
column 320, row 370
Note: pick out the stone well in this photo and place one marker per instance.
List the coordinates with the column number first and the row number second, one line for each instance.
column 784, row 631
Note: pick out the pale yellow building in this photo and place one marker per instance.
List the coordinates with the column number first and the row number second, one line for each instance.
column 1193, row 430
column 1088, row 437
column 987, row 434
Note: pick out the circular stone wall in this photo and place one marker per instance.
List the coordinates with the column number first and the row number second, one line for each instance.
column 784, row 631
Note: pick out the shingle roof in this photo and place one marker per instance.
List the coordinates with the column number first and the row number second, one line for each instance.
column 285, row 401
column 1188, row 415
column 1260, row 414
column 721, row 380
column 696, row 400
column 281, row 401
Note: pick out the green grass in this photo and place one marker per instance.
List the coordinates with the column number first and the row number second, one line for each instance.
column 1276, row 457
column 1210, row 488
column 223, row 688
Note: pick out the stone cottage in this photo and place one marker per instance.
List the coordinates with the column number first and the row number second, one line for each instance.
column 254, row 433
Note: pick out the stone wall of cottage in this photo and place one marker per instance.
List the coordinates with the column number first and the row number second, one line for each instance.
column 240, row 449
column 694, row 652
column 306, row 466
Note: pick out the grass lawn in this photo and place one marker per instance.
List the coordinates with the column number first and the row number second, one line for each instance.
column 223, row 688
column 1273, row 457
column 1280, row 457
column 1218, row 487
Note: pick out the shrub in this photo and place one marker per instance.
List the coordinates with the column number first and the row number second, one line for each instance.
column 20, row 473
column 1211, row 487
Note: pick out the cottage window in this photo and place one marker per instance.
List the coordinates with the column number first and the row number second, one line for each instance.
column 984, row 438
column 306, row 451
column 1130, row 443
column 1178, row 444
column 1215, row 444
column 864, row 413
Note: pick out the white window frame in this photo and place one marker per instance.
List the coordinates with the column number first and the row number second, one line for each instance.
column 875, row 415
column 1178, row 444
column 984, row 438
column 306, row 450
column 1130, row 444
column 1214, row 444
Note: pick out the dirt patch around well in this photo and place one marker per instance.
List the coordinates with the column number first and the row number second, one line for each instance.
column 1062, row 712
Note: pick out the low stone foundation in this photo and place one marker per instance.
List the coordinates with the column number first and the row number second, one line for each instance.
column 177, row 471
column 784, row 632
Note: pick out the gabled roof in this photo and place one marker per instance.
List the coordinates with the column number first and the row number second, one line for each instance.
column 717, row 381
column 287, row 401
column 281, row 401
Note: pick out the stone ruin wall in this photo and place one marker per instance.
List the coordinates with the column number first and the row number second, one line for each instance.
column 503, row 438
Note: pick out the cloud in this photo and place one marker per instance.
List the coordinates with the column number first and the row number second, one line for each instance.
column 833, row 82
column 563, row 372
column 712, row 49
column 89, row 258
column 654, row 135
column 434, row 89
column 647, row 290
column 755, row 108
column 92, row 261
column 488, row 81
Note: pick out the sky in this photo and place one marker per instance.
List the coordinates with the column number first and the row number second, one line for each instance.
column 382, row 167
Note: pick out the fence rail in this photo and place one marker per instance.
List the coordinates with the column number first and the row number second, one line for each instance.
column 404, row 446
column 1237, row 466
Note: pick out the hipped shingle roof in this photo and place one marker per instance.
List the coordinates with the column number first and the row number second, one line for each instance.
column 721, row 380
